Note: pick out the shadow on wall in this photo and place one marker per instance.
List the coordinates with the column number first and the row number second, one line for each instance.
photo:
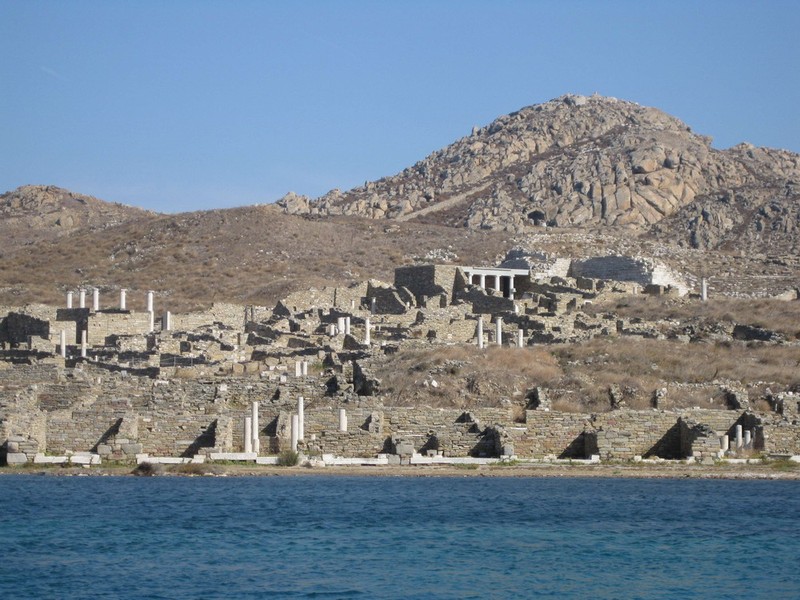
column 207, row 439
column 668, row 446
column 582, row 446
column 110, row 432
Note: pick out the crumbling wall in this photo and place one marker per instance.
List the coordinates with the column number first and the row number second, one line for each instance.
column 626, row 268
column 232, row 316
column 428, row 280
column 103, row 325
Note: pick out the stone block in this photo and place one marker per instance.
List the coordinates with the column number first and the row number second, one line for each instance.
column 104, row 449
column 41, row 459
column 267, row 460
column 129, row 449
column 16, row 458
column 233, row 456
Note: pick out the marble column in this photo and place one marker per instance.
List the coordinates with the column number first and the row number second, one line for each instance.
column 498, row 331
column 95, row 300
column 367, row 338
column 82, row 298
column 69, row 299
column 295, row 427
column 248, row 434
column 123, row 301
column 63, row 344
column 342, row 419
column 83, row 343
column 479, row 332
column 254, row 421
column 301, row 418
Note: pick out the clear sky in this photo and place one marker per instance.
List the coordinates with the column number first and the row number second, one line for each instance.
column 178, row 106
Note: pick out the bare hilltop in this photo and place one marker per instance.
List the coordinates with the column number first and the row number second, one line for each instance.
column 575, row 176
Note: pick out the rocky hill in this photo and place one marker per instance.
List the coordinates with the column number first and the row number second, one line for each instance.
column 584, row 162
column 573, row 177
column 33, row 213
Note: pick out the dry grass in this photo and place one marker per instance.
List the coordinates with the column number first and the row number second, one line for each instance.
column 464, row 376
column 254, row 255
column 776, row 315
column 578, row 377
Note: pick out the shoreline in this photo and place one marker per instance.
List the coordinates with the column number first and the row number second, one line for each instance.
column 604, row 471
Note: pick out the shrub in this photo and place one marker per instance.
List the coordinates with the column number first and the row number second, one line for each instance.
column 147, row 469
column 288, row 458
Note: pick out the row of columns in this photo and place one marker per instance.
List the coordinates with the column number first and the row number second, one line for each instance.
column 123, row 299
column 342, row 327
column 498, row 333
column 744, row 440
column 297, row 430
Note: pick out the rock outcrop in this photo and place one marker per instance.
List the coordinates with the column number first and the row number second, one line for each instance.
column 580, row 161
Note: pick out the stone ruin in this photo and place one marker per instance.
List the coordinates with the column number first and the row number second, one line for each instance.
column 84, row 384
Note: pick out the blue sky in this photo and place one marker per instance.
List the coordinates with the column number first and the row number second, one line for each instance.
column 178, row 106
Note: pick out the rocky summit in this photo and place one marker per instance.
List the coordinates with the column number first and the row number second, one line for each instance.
column 579, row 161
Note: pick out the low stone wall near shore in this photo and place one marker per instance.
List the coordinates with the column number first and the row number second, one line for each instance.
column 48, row 409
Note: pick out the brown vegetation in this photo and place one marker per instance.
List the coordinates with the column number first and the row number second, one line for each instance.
column 776, row 315
column 579, row 377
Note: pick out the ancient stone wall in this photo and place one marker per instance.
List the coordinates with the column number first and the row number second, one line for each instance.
column 232, row 316
column 626, row 268
column 103, row 325
column 428, row 280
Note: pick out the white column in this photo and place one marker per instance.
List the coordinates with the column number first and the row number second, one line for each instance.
column 95, row 300
column 342, row 419
column 301, row 418
column 166, row 322
column 352, row 304
column 82, row 298
column 123, row 304
column 304, row 368
column 150, row 296
column 747, row 439
column 724, row 443
column 248, row 434
column 340, row 325
column 347, row 325
column 479, row 332
column 483, row 280
column 520, row 338
column 704, row 289
column 497, row 286
column 516, row 309
column 83, row 343
column 69, row 299
column 738, row 437
column 511, row 289
column 63, row 344
column 295, row 427
column 298, row 368
column 498, row 331
column 152, row 322
column 254, row 421
column 373, row 305
column 367, row 338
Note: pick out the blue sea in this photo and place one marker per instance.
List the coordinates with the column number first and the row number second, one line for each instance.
column 384, row 537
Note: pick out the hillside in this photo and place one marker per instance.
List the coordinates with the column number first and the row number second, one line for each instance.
column 583, row 162
column 33, row 213
column 252, row 254
column 572, row 177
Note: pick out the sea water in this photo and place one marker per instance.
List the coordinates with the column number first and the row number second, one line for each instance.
column 386, row 537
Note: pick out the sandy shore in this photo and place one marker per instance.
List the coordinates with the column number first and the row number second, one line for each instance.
column 771, row 471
